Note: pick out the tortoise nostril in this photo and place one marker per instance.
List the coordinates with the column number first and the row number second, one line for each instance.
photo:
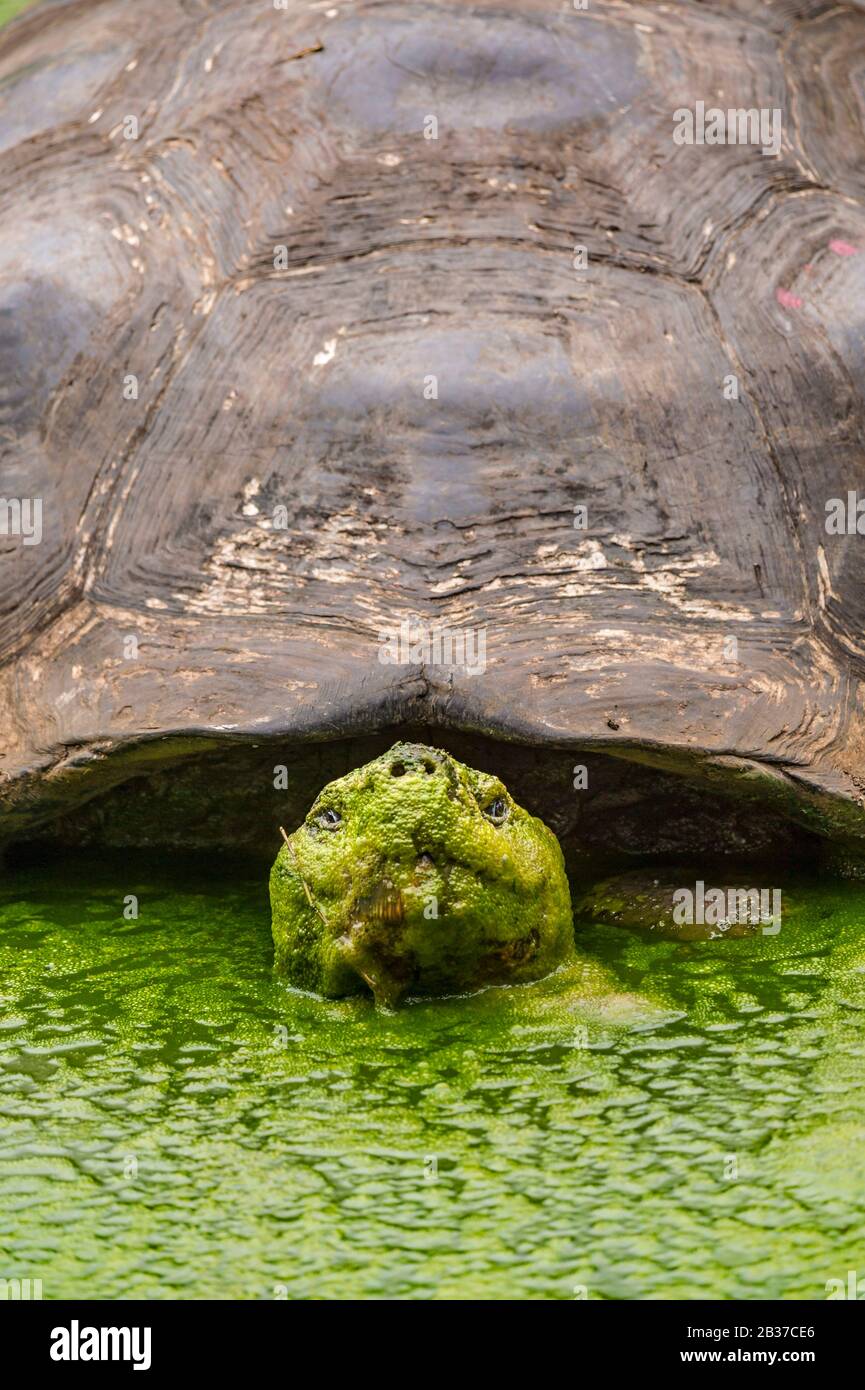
column 414, row 762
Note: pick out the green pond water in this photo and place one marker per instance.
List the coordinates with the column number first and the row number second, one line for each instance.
column 660, row 1121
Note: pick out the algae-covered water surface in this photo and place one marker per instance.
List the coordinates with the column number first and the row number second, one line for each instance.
column 663, row 1120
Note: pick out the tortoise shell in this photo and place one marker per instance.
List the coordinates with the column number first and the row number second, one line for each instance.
column 392, row 367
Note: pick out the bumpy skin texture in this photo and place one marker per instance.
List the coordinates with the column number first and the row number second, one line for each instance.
column 417, row 875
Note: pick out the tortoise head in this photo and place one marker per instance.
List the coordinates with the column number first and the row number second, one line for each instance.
column 416, row 874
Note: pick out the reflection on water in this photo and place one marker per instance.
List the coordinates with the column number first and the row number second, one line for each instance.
column 662, row 1121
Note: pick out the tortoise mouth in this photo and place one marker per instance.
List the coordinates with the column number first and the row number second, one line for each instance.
column 374, row 959
column 375, row 949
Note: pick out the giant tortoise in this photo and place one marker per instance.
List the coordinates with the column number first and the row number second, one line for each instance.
column 488, row 377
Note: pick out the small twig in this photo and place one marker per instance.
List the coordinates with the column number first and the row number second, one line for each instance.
column 309, row 898
column 302, row 53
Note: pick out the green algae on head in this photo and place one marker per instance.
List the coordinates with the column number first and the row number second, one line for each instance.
column 417, row 875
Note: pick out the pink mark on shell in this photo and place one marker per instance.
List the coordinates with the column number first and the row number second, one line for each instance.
column 843, row 248
column 788, row 299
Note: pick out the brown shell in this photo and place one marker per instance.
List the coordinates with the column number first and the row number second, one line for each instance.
column 284, row 261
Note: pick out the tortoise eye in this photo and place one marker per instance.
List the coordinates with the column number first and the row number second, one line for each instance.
column 329, row 819
column 497, row 810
